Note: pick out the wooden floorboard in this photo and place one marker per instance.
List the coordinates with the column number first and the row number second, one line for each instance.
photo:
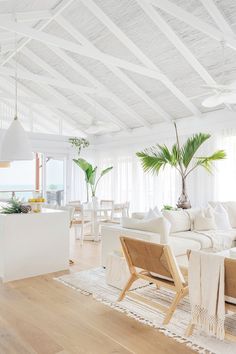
column 40, row 315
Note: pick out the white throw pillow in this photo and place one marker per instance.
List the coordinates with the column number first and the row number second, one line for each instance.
column 204, row 221
column 157, row 225
column 230, row 207
column 231, row 210
column 179, row 219
column 152, row 213
column 192, row 212
column 221, row 217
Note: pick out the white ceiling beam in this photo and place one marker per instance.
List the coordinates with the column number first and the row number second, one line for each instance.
column 57, row 11
column 166, row 29
column 26, row 16
column 42, row 123
column 77, row 67
column 33, row 96
column 217, row 17
column 116, row 71
column 27, row 75
column 7, row 96
column 193, row 21
column 6, row 37
column 90, row 4
column 40, row 101
column 57, row 42
column 32, row 56
column 62, row 101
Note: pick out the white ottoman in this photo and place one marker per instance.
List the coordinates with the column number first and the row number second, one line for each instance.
column 117, row 272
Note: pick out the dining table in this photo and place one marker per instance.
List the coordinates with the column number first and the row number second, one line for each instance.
column 96, row 211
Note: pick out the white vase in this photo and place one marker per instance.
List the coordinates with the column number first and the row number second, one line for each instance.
column 95, row 202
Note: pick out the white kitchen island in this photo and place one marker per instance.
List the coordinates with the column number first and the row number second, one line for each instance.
column 33, row 244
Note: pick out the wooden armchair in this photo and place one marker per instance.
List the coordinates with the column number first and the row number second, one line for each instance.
column 230, row 295
column 158, row 266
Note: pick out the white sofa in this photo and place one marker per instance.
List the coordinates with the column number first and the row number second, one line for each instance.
column 111, row 241
column 181, row 237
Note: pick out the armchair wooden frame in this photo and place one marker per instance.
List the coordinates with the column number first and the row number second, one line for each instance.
column 158, row 259
column 230, row 291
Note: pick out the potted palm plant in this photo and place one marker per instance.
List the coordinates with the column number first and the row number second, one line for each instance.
column 182, row 158
column 90, row 173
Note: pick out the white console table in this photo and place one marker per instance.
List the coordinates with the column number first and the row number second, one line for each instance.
column 33, row 244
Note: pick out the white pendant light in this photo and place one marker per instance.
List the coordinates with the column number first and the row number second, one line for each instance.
column 16, row 145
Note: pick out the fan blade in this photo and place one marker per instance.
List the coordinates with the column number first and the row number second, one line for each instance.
column 218, row 87
column 212, row 101
column 229, row 98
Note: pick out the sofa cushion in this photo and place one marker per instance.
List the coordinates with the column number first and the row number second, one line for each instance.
column 221, row 217
column 204, row 220
column 158, row 225
column 203, row 240
column 152, row 213
column 180, row 246
column 179, row 220
column 230, row 208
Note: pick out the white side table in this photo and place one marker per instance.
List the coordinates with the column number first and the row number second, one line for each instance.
column 117, row 272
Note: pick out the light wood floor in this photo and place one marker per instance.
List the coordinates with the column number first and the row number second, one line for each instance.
column 40, row 315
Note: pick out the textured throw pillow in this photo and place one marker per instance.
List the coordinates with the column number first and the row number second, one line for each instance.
column 221, row 218
column 192, row 213
column 152, row 213
column 204, row 221
column 231, row 210
column 157, row 225
column 179, row 220
column 230, row 207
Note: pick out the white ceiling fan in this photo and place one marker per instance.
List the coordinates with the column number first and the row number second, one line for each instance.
column 221, row 93
column 99, row 127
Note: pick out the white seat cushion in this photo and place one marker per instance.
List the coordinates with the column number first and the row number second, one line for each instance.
column 202, row 240
column 181, row 245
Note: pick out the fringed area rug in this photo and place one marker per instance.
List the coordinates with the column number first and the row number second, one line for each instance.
column 92, row 282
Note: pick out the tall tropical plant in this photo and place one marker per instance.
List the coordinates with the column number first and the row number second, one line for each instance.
column 78, row 144
column 182, row 158
column 91, row 174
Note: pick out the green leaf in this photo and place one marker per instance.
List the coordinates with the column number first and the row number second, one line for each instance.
column 83, row 164
column 106, row 170
column 207, row 161
column 13, row 207
column 92, row 176
column 157, row 157
column 191, row 146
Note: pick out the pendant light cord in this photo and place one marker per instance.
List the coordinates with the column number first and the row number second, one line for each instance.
column 16, row 77
column 223, row 62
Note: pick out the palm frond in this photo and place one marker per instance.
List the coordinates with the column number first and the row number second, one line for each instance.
column 191, row 146
column 207, row 161
column 157, row 157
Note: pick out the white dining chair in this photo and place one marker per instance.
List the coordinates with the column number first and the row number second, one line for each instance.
column 106, row 215
column 82, row 219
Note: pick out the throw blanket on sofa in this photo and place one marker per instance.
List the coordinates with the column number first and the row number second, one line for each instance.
column 206, row 292
column 220, row 239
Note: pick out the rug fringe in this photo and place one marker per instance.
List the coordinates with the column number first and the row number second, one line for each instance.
column 163, row 330
column 140, row 319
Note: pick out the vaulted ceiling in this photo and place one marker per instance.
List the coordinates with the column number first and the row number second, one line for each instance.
column 102, row 66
